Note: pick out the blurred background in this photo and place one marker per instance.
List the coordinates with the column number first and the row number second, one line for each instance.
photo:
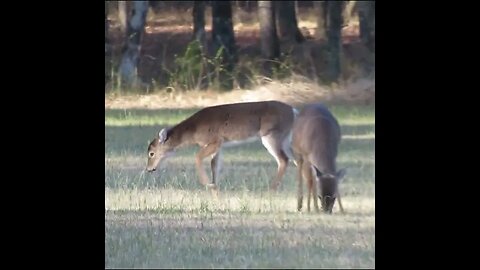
column 294, row 51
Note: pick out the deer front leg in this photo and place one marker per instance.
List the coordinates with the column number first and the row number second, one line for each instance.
column 315, row 195
column 204, row 152
column 340, row 203
column 307, row 174
column 299, row 185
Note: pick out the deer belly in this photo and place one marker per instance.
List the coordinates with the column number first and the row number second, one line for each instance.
column 235, row 142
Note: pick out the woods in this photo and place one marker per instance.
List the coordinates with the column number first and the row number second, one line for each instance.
column 240, row 41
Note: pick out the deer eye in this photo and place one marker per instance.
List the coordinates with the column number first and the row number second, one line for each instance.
column 151, row 154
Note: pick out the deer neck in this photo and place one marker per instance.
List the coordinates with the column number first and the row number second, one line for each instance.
column 181, row 136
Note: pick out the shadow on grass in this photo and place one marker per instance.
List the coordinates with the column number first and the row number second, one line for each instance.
column 161, row 117
column 171, row 213
column 135, row 139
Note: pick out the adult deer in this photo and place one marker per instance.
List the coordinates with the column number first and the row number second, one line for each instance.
column 315, row 138
column 224, row 125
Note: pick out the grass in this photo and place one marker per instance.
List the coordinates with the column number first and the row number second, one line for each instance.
column 168, row 220
column 354, row 116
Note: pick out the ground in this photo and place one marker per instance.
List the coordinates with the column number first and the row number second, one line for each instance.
column 167, row 219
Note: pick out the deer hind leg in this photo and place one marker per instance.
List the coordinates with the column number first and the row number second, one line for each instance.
column 274, row 145
column 205, row 151
column 287, row 148
column 215, row 166
column 299, row 186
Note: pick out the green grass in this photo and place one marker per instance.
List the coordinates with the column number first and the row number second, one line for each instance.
column 168, row 220
column 353, row 116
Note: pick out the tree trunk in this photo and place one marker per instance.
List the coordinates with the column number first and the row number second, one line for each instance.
column 287, row 22
column 223, row 36
column 107, row 77
column 250, row 5
column 199, row 35
column 366, row 16
column 199, row 22
column 334, row 36
column 123, row 12
column 131, row 50
column 348, row 11
column 268, row 36
column 321, row 11
column 106, row 26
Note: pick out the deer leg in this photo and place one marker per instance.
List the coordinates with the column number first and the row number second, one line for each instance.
column 340, row 202
column 299, row 185
column 307, row 174
column 314, row 191
column 204, row 152
column 215, row 166
column 287, row 148
column 274, row 147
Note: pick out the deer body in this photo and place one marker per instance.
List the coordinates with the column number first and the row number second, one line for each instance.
column 315, row 138
column 224, row 125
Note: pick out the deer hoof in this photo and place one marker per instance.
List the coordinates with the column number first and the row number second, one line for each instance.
column 212, row 186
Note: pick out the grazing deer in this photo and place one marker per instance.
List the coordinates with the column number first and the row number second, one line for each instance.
column 226, row 125
column 315, row 139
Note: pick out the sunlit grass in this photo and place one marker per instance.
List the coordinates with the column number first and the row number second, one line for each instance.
column 166, row 219
column 138, row 117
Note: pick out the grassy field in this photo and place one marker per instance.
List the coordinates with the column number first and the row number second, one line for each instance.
column 167, row 220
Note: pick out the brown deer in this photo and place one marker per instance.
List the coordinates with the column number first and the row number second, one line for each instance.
column 315, row 138
column 214, row 127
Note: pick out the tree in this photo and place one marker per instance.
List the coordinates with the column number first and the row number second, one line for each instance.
column 131, row 49
column 366, row 15
column 348, row 9
column 106, row 20
column 106, row 26
column 334, row 36
column 268, row 36
column 123, row 11
column 107, row 78
column 223, row 39
column 321, row 11
column 287, row 21
column 199, row 22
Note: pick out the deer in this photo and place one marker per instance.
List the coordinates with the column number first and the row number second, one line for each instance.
column 316, row 136
column 215, row 127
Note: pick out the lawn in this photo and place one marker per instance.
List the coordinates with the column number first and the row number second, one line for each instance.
column 166, row 219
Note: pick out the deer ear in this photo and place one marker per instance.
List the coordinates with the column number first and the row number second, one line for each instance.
column 317, row 171
column 162, row 135
column 341, row 173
